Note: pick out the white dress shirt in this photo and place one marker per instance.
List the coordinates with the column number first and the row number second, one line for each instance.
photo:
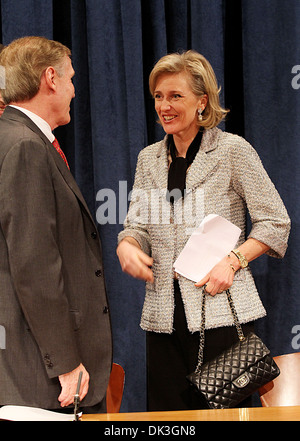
column 40, row 122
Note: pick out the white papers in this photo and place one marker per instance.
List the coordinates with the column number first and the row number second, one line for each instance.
column 208, row 244
column 25, row 413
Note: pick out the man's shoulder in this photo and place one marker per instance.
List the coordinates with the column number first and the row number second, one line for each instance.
column 14, row 130
column 15, row 135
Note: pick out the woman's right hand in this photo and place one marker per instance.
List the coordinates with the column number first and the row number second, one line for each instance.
column 134, row 261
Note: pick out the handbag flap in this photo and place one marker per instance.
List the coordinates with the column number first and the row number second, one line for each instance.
column 229, row 365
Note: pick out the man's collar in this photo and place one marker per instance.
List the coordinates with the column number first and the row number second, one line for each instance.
column 40, row 122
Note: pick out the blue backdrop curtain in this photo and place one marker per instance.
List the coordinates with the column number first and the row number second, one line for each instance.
column 253, row 46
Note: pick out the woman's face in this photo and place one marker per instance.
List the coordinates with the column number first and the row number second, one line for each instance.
column 177, row 106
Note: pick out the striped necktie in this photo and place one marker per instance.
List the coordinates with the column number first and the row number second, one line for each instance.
column 57, row 147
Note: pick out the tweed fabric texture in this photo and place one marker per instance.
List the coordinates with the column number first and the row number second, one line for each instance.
column 226, row 178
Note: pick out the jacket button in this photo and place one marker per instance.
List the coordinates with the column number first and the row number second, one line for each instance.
column 48, row 362
column 98, row 273
column 105, row 310
column 94, row 235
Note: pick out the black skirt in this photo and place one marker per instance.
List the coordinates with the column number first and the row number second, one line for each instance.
column 171, row 357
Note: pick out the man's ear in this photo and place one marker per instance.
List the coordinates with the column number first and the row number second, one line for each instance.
column 50, row 76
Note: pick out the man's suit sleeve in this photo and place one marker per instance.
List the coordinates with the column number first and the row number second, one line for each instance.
column 28, row 219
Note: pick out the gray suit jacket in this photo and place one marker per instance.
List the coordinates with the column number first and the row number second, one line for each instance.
column 53, row 303
column 226, row 178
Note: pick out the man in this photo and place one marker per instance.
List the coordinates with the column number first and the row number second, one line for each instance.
column 2, row 105
column 53, row 300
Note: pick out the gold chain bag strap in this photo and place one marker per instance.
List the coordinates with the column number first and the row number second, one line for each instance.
column 236, row 373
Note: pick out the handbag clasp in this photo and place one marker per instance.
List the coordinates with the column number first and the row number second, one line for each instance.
column 242, row 380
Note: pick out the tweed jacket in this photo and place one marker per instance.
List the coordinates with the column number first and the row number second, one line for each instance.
column 226, row 178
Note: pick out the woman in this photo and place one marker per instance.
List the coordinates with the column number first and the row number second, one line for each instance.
column 195, row 158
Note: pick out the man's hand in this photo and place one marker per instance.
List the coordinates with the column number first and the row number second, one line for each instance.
column 69, row 385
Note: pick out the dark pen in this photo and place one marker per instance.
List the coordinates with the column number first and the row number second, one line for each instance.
column 77, row 398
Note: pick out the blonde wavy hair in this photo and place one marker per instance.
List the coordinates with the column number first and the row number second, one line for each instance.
column 25, row 61
column 202, row 81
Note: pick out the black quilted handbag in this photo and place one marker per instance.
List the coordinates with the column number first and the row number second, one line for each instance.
column 237, row 372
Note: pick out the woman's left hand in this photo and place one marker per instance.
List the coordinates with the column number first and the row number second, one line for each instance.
column 219, row 278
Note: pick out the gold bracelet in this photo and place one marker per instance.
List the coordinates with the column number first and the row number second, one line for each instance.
column 230, row 264
column 232, row 267
column 242, row 259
